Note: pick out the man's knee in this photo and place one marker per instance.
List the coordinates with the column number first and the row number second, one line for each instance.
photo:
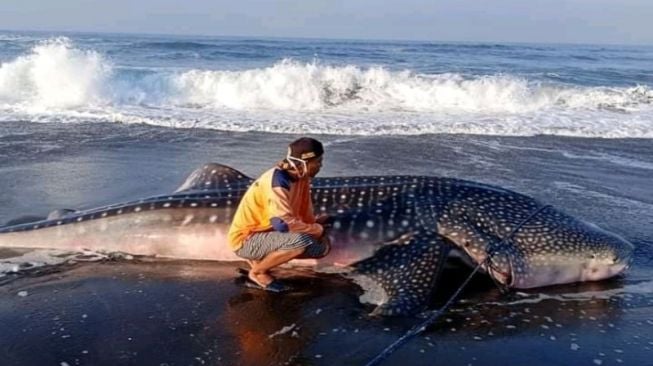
column 323, row 254
column 318, row 249
column 326, row 249
column 298, row 251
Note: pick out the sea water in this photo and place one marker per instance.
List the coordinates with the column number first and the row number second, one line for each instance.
column 344, row 87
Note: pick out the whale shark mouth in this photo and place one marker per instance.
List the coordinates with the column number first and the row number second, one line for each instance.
column 504, row 278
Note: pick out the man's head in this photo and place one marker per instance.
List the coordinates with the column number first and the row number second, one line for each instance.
column 305, row 156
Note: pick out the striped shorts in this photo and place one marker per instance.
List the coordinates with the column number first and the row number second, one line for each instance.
column 258, row 245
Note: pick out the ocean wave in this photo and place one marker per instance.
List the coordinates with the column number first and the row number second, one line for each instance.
column 57, row 82
column 55, row 75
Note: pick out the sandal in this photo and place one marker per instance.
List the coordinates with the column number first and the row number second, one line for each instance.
column 275, row 286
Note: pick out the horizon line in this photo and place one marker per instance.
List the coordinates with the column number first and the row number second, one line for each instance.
column 324, row 38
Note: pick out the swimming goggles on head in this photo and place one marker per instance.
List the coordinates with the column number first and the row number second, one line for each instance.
column 292, row 161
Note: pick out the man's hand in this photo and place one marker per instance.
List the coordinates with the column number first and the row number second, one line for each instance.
column 324, row 220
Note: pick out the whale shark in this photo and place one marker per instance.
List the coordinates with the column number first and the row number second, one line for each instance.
column 391, row 234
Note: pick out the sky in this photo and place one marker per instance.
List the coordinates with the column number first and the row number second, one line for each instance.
column 537, row 21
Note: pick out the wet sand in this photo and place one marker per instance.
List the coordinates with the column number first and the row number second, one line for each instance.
column 146, row 312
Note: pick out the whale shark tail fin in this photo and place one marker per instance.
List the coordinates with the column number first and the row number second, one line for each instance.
column 212, row 176
column 407, row 269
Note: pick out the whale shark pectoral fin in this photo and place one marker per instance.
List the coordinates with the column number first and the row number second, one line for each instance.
column 213, row 176
column 407, row 270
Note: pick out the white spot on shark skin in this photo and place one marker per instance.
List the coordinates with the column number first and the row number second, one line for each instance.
column 104, row 214
column 166, row 205
column 213, row 219
column 194, row 204
column 214, row 205
column 137, row 209
column 187, row 220
column 369, row 224
column 337, row 224
column 79, row 219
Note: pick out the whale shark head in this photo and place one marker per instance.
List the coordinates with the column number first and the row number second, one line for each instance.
column 550, row 247
column 576, row 252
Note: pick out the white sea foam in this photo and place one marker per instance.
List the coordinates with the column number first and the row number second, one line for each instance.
column 641, row 288
column 57, row 82
column 614, row 159
column 38, row 258
column 292, row 86
column 54, row 76
column 282, row 331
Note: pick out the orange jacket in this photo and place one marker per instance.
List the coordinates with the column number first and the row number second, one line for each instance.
column 275, row 201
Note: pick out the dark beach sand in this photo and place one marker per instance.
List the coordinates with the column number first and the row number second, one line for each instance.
column 146, row 312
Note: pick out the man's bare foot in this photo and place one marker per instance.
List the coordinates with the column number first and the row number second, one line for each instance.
column 260, row 278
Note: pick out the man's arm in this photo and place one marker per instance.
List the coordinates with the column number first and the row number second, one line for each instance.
column 283, row 219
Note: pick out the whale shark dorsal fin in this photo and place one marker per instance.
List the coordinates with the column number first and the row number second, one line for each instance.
column 407, row 269
column 212, row 176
